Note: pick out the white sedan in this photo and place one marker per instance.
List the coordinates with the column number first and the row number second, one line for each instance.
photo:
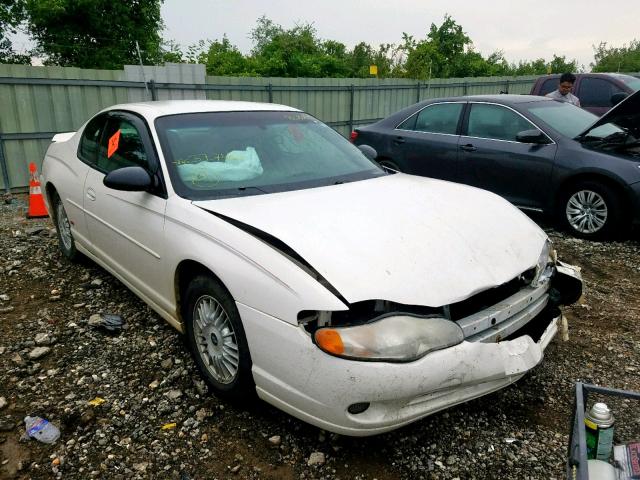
column 356, row 299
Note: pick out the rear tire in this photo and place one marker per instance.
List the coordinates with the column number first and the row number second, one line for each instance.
column 591, row 210
column 66, row 242
column 217, row 341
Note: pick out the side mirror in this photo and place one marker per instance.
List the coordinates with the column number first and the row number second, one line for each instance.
column 128, row 179
column 531, row 136
column 368, row 152
column 616, row 98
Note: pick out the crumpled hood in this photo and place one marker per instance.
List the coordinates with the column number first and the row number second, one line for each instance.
column 406, row 239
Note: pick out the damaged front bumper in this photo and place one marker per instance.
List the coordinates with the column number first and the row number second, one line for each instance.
column 321, row 389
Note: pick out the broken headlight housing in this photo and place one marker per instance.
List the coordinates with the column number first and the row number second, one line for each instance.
column 545, row 266
column 390, row 338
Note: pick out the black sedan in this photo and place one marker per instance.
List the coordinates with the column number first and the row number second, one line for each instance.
column 537, row 153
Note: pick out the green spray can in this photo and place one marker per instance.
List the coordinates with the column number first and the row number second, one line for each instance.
column 599, row 426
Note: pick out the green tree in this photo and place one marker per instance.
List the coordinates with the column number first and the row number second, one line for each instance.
column 95, row 33
column 296, row 52
column 223, row 58
column 172, row 52
column 441, row 54
column 617, row 59
column 11, row 14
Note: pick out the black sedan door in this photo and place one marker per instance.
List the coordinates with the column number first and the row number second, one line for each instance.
column 427, row 142
column 492, row 158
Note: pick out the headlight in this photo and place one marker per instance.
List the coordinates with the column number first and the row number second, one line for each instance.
column 391, row 338
column 545, row 266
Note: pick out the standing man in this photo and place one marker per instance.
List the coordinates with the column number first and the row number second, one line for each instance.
column 563, row 93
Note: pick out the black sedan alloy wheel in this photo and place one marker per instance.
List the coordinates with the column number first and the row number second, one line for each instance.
column 591, row 210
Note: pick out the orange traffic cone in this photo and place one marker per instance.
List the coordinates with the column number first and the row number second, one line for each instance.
column 37, row 207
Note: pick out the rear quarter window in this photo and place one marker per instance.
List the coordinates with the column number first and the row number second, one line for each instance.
column 90, row 140
column 548, row 86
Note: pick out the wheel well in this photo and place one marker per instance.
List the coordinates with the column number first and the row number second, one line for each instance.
column 49, row 191
column 609, row 182
column 187, row 270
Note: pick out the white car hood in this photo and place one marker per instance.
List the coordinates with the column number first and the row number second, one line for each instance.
column 406, row 239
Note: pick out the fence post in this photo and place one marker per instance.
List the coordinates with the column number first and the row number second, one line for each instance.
column 507, row 86
column 270, row 90
column 154, row 91
column 464, row 86
column 352, row 91
column 3, row 166
column 418, row 92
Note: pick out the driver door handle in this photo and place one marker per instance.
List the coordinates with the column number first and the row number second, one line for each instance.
column 91, row 194
column 398, row 140
column 468, row 148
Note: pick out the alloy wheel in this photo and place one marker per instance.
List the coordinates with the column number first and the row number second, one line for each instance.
column 586, row 211
column 216, row 340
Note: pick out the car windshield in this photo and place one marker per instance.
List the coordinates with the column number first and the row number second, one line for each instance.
column 569, row 120
column 222, row 154
column 629, row 81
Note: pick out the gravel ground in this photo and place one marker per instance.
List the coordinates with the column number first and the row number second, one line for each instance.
column 158, row 420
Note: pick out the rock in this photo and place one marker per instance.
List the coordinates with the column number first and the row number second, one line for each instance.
column 201, row 387
column 153, row 385
column 7, row 424
column 17, row 359
column 43, row 339
column 110, row 322
column 34, row 230
column 96, row 283
column 166, row 364
column 275, row 440
column 4, row 297
column 202, row 414
column 3, row 402
column 38, row 352
column 95, row 320
column 6, row 309
column 174, row 394
column 452, row 460
column 141, row 467
column 2, row 350
column 316, row 458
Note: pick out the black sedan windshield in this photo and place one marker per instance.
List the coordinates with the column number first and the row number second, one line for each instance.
column 211, row 155
column 568, row 119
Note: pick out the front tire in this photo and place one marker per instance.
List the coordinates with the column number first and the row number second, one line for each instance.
column 216, row 338
column 66, row 242
column 591, row 210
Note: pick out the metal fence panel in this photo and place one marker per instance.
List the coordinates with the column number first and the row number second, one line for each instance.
column 37, row 102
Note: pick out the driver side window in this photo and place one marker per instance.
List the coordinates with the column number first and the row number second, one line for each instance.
column 121, row 146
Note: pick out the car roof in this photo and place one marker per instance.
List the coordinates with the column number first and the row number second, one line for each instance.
column 504, row 98
column 155, row 109
column 590, row 74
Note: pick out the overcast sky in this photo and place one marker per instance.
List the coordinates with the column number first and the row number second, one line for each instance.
column 522, row 29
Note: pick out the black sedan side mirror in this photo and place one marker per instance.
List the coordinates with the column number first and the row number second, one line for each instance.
column 616, row 98
column 128, row 179
column 368, row 152
column 531, row 136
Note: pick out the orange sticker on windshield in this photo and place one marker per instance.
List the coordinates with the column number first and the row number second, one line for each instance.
column 113, row 144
